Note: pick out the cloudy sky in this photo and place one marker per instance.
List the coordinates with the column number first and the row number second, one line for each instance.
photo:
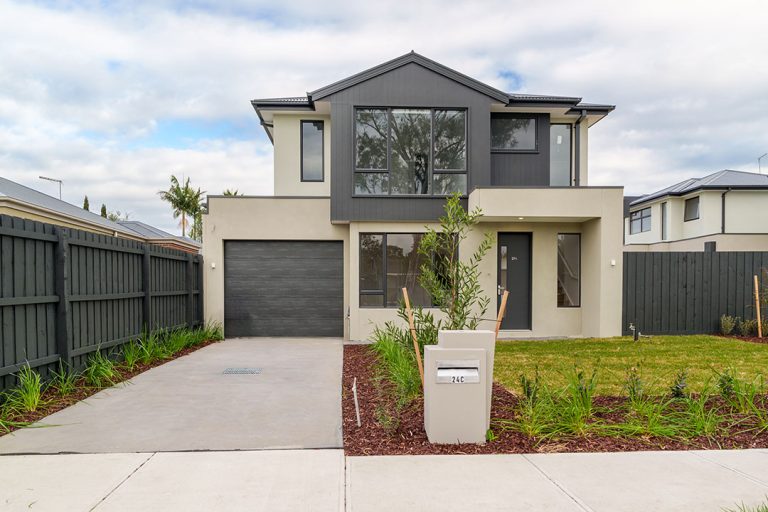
column 113, row 97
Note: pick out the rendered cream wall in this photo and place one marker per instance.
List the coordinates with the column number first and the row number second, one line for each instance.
column 725, row 242
column 263, row 218
column 287, row 135
column 583, row 155
column 709, row 221
column 746, row 212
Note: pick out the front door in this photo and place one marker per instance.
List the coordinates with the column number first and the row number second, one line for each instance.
column 514, row 271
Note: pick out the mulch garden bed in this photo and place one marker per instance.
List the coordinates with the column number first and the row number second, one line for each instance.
column 52, row 401
column 750, row 339
column 384, row 431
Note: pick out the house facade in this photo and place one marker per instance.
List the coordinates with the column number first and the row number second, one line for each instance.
column 363, row 165
column 724, row 211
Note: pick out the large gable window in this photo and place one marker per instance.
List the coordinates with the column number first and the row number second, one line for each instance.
column 410, row 151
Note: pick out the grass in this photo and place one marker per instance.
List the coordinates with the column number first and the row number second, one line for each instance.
column 661, row 358
column 398, row 364
column 100, row 371
column 762, row 507
column 64, row 380
column 27, row 396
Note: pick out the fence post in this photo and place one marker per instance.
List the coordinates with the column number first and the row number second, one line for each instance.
column 200, row 295
column 190, row 291
column 63, row 318
column 146, row 288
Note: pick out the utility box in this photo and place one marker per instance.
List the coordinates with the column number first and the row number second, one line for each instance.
column 455, row 395
column 485, row 340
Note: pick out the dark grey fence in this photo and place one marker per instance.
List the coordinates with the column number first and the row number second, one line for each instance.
column 687, row 292
column 64, row 293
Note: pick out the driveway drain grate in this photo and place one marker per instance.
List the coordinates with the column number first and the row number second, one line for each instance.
column 242, row 371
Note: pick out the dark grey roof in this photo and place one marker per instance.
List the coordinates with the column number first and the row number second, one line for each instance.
column 154, row 233
column 14, row 190
column 721, row 180
column 628, row 200
column 408, row 58
column 288, row 102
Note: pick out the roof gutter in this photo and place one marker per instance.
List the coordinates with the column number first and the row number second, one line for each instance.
column 722, row 210
column 577, row 152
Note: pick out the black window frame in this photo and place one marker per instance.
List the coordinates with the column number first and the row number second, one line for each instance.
column 382, row 292
column 688, row 201
column 322, row 150
column 641, row 215
column 388, row 170
column 571, row 177
column 577, row 270
column 535, row 150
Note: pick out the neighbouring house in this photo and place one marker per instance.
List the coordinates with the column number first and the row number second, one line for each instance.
column 362, row 165
column 725, row 211
column 27, row 203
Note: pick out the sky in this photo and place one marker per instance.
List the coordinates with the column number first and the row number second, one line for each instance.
column 115, row 96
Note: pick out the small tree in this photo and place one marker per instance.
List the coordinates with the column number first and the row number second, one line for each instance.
column 103, row 210
column 232, row 193
column 86, row 206
column 117, row 216
column 455, row 284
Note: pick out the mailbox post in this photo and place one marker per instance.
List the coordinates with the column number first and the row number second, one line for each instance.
column 454, row 395
column 458, row 379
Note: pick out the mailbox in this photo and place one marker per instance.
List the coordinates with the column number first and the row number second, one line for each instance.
column 458, row 371
column 454, row 394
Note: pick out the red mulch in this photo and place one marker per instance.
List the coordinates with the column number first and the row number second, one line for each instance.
column 403, row 431
column 51, row 401
column 750, row 339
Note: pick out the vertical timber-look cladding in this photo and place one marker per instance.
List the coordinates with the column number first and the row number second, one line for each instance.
column 687, row 292
column 408, row 86
column 524, row 168
column 65, row 293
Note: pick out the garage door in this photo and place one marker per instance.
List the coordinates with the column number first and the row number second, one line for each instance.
column 283, row 288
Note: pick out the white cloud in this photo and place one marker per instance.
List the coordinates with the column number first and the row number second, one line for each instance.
column 80, row 85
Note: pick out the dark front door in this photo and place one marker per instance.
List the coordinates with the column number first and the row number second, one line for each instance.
column 514, row 257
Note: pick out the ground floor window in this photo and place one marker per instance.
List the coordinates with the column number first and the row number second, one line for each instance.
column 388, row 263
column 568, row 270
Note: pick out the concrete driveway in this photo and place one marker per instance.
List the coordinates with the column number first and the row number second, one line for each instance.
column 191, row 404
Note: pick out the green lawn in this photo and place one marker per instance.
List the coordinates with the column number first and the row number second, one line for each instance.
column 660, row 358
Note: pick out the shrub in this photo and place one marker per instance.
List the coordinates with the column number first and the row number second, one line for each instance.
column 679, row 385
column 211, row 331
column 100, row 370
column 27, row 396
column 64, row 380
column 748, row 327
column 151, row 349
column 727, row 324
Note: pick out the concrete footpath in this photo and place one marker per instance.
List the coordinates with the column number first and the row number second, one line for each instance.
column 323, row 480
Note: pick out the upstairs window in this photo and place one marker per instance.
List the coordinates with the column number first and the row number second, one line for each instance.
column 312, row 168
column 513, row 133
column 410, row 151
column 691, row 209
column 560, row 155
column 640, row 221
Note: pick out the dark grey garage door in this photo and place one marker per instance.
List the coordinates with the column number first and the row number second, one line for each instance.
column 283, row 288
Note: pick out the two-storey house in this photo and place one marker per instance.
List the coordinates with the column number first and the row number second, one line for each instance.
column 364, row 164
column 725, row 211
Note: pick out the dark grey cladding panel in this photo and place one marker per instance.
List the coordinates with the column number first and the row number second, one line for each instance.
column 407, row 86
column 277, row 288
column 524, row 169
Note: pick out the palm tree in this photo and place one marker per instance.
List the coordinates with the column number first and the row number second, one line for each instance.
column 231, row 193
column 185, row 201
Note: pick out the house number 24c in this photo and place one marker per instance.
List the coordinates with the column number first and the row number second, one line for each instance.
column 457, row 379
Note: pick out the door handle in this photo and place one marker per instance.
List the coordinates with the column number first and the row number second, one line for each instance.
column 499, row 289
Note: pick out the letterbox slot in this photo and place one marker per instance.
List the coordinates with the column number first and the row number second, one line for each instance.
column 461, row 371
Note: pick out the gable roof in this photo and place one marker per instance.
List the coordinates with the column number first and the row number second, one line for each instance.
column 153, row 233
column 398, row 62
column 16, row 191
column 721, row 180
